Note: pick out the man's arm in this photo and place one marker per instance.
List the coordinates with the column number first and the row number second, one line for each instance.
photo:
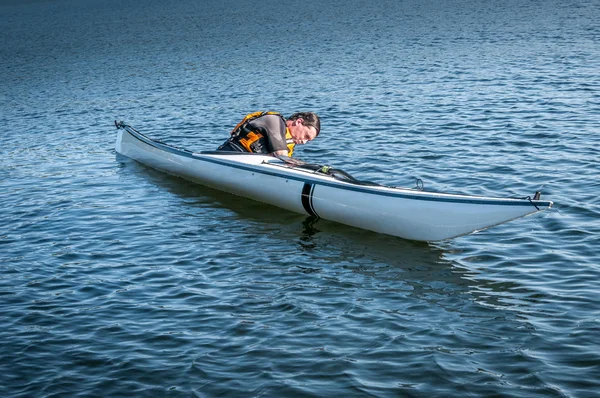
column 274, row 127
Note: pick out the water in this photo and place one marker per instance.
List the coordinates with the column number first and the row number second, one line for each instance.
column 117, row 280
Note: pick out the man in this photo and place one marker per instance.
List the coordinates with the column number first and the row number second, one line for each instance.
column 271, row 133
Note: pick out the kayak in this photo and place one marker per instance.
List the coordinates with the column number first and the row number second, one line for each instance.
column 331, row 194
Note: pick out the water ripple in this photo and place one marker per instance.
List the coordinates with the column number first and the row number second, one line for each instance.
column 120, row 279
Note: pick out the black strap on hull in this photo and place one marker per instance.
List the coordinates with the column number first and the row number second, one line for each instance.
column 307, row 203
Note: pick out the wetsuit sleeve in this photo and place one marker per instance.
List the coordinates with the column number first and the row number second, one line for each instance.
column 273, row 127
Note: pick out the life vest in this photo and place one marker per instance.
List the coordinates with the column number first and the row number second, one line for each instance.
column 253, row 140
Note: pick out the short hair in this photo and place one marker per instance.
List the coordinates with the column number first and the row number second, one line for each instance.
column 310, row 119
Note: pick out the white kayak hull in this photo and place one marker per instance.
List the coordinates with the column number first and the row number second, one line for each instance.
column 406, row 213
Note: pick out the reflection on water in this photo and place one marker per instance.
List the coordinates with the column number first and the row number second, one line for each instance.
column 424, row 268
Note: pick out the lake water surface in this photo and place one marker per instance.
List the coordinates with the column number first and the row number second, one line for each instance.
column 118, row 280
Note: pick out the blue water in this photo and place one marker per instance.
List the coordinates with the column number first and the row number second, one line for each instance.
column 117, row 280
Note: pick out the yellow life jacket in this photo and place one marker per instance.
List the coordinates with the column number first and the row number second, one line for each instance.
column 253, row 140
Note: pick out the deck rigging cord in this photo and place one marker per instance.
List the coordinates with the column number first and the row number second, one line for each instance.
column 338, row 174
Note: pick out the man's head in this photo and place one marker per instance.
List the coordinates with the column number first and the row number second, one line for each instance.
column 304, row 126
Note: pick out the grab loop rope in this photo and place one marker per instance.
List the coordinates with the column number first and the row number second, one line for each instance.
column 420, row 184
column 537, row 196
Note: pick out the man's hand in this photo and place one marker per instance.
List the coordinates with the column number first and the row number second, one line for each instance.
column 282, row 153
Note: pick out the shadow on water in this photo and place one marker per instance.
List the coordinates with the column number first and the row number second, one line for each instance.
column 308, row 229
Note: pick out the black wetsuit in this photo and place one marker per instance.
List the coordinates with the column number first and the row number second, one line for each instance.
column 270, row 129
